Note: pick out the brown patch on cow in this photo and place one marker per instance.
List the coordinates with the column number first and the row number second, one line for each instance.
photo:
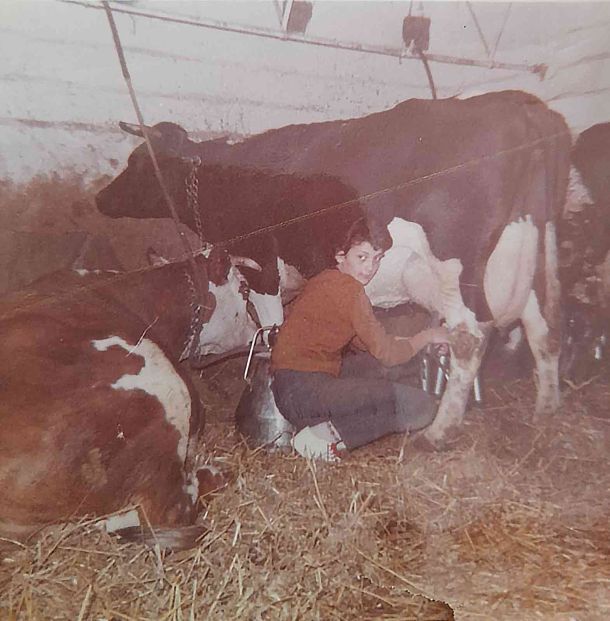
column 93, row 470
column 210, row 481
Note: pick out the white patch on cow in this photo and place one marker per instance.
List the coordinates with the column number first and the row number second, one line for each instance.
column 409, row 271
column 230, row 326
column 158, row 378
column 509, row 273
column 603, row 273
column 578, row 194
column 84, row 272
column 268, row 308
column 551, row 275
column 290, row 277
column 127, row 519
column 515, row 338
column 191, row 488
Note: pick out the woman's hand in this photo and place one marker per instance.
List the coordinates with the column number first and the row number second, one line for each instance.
column 438, row 335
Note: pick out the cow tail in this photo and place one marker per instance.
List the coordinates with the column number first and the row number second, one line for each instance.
column 174, row 539
column 557, row 164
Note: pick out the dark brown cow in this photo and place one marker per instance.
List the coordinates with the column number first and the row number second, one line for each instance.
column 585, row 246
column 591, row 158
column 467, row 193
column 95, row 412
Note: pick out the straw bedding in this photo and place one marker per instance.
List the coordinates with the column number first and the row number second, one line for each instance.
column 510, row 523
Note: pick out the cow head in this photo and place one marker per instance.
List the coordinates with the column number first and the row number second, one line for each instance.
column 230, row 326
column 137, row 193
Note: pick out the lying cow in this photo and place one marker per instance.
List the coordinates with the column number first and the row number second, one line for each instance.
column 95, row 412
column 466, row 193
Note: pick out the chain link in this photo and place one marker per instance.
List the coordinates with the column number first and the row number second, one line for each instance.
column 192, row 196
column 192, row 201
column 195, row 318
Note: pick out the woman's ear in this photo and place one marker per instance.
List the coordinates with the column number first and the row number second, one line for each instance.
column 340, row 257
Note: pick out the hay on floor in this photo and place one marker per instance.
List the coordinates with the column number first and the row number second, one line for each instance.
column 511, row 523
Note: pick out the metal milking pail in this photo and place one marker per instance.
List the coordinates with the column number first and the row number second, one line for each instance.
column 257, row 418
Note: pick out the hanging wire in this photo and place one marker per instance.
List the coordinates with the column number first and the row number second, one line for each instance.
column 199, row 272
column 479, row 29
column 508, row 8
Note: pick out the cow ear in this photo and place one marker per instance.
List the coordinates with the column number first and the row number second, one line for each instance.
column 130, row 128
column 136, row 130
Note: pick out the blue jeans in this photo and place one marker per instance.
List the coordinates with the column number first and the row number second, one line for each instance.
column 362, row 404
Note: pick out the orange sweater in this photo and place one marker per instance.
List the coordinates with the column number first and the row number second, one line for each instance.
column 332, row 311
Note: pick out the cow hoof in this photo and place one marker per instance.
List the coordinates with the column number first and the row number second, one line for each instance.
column 422, row 443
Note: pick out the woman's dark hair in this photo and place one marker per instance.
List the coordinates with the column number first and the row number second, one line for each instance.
column 357, row 233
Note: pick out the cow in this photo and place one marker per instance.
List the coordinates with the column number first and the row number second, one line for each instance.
column 584, row 236
column 95, row 411
column 591, row 158
column 463, row 194
column 256, row 214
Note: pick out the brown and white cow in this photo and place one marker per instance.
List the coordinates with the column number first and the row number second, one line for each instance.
column 95, row 412
column 466, row 192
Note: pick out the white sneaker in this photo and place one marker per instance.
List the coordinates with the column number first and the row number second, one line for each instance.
column 310, row 445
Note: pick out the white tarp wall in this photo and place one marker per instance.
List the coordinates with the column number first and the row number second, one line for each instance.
column 63, row 93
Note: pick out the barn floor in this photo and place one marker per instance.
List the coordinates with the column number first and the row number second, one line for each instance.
column 510, row 523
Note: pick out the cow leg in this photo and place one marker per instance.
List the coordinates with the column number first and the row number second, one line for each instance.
column 546, row 356
column 467, row 351
column 542, row 327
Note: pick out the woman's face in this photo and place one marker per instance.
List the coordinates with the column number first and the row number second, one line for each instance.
column 361, row 262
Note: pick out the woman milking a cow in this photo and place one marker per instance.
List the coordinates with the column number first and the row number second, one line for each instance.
column 341, row 402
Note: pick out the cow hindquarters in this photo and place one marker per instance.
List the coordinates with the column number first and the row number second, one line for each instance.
column 467, row 351
column 542, row 327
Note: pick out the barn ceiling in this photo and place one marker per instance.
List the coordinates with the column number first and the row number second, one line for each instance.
column 222, row 67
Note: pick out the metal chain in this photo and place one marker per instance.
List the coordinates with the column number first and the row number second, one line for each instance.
column 195, row 318
column 192, row 196
column 192, row 201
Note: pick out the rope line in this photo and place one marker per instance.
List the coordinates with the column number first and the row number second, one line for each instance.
column 200, row 291
column 396, row 188
column 296, row 220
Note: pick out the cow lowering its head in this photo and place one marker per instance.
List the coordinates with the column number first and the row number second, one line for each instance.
column 95, row 412
column 467, row 193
